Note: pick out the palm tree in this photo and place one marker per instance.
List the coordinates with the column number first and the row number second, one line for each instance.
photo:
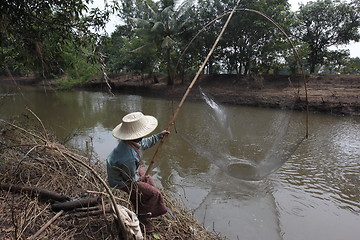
column 163, row 25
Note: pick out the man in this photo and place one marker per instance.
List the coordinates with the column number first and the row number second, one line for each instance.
column 124, row 165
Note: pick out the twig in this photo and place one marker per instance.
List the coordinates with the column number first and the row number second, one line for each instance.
column 32, row 219
column 117, row 198
column 22, row 129
column 45, row 132
column 104, row 210
column 46, row 225
column 123, row 230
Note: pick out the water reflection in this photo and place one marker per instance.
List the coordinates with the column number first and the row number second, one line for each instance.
column 314, row 194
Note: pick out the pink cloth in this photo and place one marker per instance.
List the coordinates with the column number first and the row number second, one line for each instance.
column 146, row 197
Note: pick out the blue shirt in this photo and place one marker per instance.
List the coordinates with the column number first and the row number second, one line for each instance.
column 124, row 160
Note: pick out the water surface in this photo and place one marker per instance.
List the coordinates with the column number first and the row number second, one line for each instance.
column 246, row 172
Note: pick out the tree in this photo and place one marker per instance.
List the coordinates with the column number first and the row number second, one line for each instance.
column 326, row 23
column 162, row 26
column 250, row 43
column 127, row 53
column 351, row 66
column 242, row 49
column 36, row 32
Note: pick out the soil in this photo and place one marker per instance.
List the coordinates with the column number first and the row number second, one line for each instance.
column 334, row 94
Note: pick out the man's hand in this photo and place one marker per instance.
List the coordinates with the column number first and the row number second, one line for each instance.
column 164, row 133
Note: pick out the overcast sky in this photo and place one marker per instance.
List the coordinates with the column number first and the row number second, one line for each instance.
column 110, row 27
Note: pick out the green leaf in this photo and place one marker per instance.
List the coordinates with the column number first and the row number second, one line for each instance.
column 156, row 235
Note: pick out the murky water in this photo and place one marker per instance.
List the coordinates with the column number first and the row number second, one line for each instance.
column 246, row 172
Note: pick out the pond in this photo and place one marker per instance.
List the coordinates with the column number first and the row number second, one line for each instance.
column 244, row 172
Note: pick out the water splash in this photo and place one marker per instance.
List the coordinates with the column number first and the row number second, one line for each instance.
column 219, row 113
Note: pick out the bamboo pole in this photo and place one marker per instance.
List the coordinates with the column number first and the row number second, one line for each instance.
column 206, row 60
column 190, row 87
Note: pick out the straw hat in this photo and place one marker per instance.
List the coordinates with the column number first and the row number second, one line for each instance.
column 134, row 126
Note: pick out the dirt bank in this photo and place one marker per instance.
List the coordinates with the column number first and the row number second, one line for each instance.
column 334, row 94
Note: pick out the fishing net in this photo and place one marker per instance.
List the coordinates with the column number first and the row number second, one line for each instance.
column 244, row 142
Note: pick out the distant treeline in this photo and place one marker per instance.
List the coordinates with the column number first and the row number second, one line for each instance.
column 62, row 38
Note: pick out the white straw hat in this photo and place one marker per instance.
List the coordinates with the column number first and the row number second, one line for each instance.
column 134, row 126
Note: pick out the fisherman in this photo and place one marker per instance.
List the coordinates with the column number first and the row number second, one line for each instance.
column 124, row 166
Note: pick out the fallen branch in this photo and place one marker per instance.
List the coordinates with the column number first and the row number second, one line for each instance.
column 78, row 203
column 42, row 194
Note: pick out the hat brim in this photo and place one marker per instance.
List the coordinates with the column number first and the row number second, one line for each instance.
column 148, row 125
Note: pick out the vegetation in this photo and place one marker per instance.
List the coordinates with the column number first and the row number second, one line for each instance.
column 39, row 36
column 327, row 23
column 62, row 38
column 31, row 158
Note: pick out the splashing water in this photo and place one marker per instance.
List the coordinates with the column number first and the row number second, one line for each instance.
column 234, row 164
column 219, row 113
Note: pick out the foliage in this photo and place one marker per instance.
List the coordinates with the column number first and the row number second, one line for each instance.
column 59, row 38
column 128, row 53
column 327, row 23
column 36, row 33
column 258, row 44
column 169, row 29
column 79, row 68
column 161, row 26
column 351, row 66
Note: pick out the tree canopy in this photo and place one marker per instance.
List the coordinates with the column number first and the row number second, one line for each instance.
column 251, row 44
column 57, row 37
column 326, row 23
column 36, row 33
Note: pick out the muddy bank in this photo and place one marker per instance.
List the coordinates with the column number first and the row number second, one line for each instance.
column 334, row 94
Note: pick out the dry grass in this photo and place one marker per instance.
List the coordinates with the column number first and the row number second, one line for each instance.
column 33, row 158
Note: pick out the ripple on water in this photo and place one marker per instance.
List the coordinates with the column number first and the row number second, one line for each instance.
column 331, row 179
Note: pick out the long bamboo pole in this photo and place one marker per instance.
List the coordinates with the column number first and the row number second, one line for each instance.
column 190, row 87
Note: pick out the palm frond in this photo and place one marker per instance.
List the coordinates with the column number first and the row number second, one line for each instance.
column 158, row 26
column 140, row 49
column 184, row 7
column 168, row 42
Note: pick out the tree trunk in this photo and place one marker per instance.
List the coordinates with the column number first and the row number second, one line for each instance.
column 170, row 79
column 312, row 67
column 43, row 194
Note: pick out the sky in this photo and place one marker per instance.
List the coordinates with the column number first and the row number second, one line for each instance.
column 114, row 20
